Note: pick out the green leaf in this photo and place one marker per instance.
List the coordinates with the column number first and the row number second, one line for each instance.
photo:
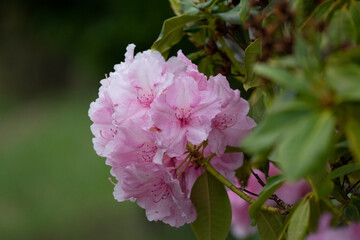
column 352, row 130
column 171, row 33
column 232, row 16
column 243, row 173
column 344, row 170
column 355, row 14
column 299, row 221
column 269, row 225
column 272, row 184
column 206, row 66
column 273, row 127
column 213, row 208
column 280, row 76
column 307, row 146
column 176, row 7
column 244, row 9
column 251, row 54
column 342, row 28
column 352, row 209
column 345, row 81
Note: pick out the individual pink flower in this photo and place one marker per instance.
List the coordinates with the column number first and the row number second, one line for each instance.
column 324, row 232
column 288, row 192
column 183, row 114
column 156, row 190
column 231, row 125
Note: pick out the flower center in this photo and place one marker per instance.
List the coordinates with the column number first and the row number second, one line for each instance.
column 144, row 98
column 160, row 191
column 225, row 121
column 147, row 152
column 183, row 115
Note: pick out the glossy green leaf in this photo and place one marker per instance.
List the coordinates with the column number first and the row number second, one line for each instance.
column 213, row 208
column 299, row 221
column 345, row 169
column 307, row 146
column 272, row 184
column 352, row 130
column 171, row 33
column 232, row 16
column 252, row 52
column 269, row 225
column 355, row 14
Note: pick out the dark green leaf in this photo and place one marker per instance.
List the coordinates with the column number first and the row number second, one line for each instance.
column 243, row 173
column 307, row 146
column 343, row 170
column 171, row 33
column 213, row 208
column 299, row 221
column 252, row 52
column 272, row 184
column 232, row 16
column 351, row 212
column 269, row 225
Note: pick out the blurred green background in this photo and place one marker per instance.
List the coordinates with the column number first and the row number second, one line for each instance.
column 52, row 56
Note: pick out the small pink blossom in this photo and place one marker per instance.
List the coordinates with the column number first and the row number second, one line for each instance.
column 324, row 232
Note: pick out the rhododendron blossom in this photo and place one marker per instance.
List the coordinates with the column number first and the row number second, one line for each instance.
column 155, row 121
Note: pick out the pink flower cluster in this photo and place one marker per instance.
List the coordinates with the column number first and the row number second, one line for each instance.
column 288, row 192
column 148, row 114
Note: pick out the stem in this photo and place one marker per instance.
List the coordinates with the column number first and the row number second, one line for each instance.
column 240, row 193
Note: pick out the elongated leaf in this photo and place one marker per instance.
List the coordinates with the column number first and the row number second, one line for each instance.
column 269, row 225
column 307, row 146
column 299, row 221
column 213, row 208
column 343, row 170
column 171, row 33
column 352, row 131
column 342, row 28
column 251, row 53
column 280, row 76
column 272, row 184
column 244, row 9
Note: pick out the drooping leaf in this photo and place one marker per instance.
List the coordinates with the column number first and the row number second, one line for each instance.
column 272, row 184
column 269, row 225
column 299, row 221
column 251, row 53
column 345, row 169
column 307, row 145
column 171, row 33
column 176, row 7
column 213, row 208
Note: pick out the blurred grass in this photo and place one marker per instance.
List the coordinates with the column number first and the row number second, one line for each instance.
column 54, row 186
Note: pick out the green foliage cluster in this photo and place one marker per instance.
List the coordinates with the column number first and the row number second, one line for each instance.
column 299, row 62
